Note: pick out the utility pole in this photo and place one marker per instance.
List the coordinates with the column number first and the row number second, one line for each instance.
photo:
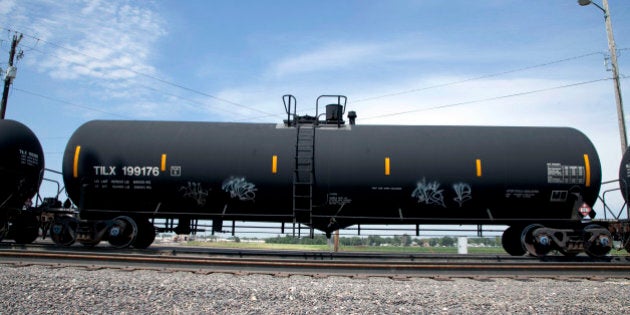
column 615, row 73
column 615, row 70
column 10, row 75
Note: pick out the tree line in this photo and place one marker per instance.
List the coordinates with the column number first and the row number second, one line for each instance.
column 375, row 240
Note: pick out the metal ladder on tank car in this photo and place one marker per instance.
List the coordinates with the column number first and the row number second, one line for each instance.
column 304, row 175
column 304, row 171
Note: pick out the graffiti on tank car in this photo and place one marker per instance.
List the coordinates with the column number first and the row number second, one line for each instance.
column 463, row 193
column 429, row 193
column 195, row 191
column 239, row 188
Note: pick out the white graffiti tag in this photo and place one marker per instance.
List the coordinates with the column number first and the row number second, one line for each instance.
column 239, row 188
column 429, row 193
column 463, row 193
column 195, row 192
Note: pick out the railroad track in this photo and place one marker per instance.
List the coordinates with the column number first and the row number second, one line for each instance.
column 318, row 264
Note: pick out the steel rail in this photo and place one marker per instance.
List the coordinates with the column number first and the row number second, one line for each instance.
column 614, row 270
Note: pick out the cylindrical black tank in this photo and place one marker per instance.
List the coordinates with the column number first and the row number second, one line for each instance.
column 21, row 164
column 362, row 174
column 624, row 175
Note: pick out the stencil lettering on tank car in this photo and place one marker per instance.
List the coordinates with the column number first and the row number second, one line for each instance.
column 521, row 193
column 194, row 191
column 429, row 193
column 559, row 196
column 176, row 171
column 102, row 170
column 565, row 174
column 28, row 158
column 463, row 193
column 338, row 200
column 141, row 184
column 239, row 189
column 386, row 188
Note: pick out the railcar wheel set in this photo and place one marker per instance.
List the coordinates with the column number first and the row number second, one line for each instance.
column 318, row 171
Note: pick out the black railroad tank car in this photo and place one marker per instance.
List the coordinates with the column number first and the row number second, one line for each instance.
column 21, row 173
column 360, row 174
column 624, row 175
column 21, row 164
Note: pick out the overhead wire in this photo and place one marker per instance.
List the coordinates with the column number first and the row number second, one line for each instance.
column 485, row 76
column 486, row 99
column 68, row 103
column 152, row 77
column 267, row 114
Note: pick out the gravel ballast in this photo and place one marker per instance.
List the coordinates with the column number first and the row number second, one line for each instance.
column 42, row 290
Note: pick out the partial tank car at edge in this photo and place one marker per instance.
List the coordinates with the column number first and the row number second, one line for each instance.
column 21, row 173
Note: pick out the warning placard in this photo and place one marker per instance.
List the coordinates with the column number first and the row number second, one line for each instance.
column 585, row 209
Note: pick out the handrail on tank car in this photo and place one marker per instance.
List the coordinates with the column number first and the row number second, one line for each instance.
column 60, row 189
column 607, row 209
column 286, row 99
column 339, row 98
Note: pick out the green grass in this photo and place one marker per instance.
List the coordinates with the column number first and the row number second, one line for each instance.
column 373, row 249
column 261, row 246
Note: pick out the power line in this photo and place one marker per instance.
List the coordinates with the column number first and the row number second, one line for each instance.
column 181, row 98
column 475, row 78
column 177, row 85
column 267, row 114
column 487, row 99
column 69, row 103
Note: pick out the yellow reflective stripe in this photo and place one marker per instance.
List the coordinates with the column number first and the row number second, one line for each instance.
column 163, row 163
column 387, row 167
column 75, row 165
column 274, row 164
column 587, row 166
column 478, row 163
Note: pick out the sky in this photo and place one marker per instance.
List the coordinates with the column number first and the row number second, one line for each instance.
column 430, row 62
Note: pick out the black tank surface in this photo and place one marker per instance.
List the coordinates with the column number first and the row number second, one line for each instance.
column 21, row 164
column 362, row 174
column 624, row 175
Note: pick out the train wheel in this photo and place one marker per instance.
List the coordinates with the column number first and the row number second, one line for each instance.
column 511, row 241
column 26, row 229
column 123, row 232
column 63, row 231
column 536, row 243
column 4, row 229
column 597, row 240
column 146, row 234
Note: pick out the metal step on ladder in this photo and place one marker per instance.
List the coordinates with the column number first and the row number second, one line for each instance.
column 304, row 176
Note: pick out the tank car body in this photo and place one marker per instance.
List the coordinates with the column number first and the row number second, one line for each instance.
column 624, row 175
column 331, row 176
column 21, row 173
column 21, row 164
